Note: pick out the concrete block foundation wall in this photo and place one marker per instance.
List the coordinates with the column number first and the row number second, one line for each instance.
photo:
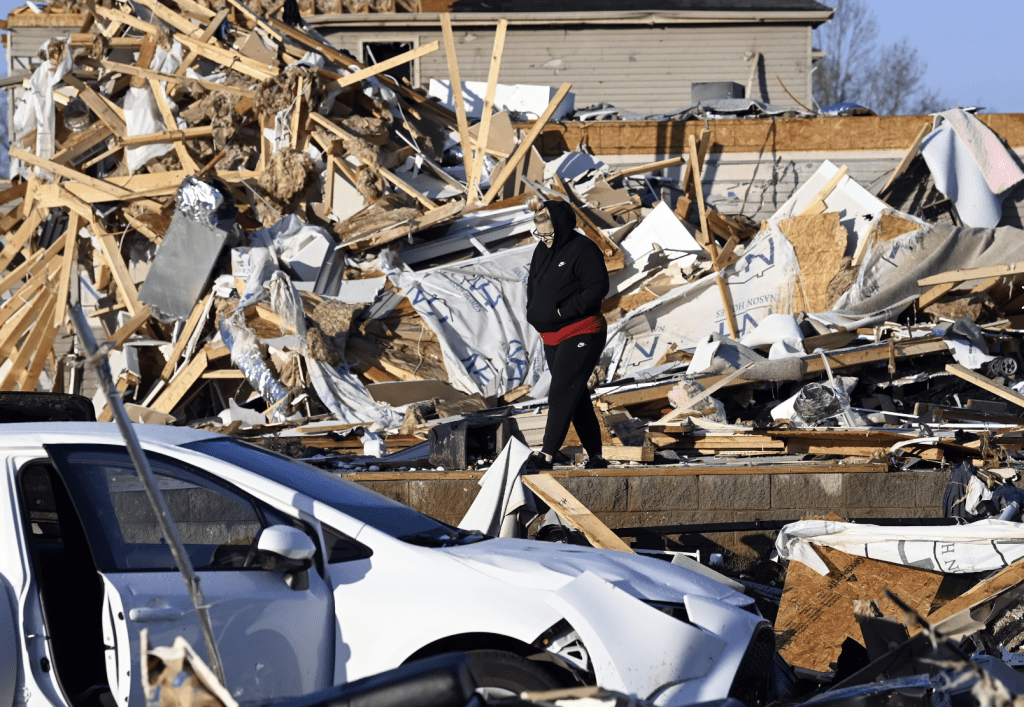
column 689, row 499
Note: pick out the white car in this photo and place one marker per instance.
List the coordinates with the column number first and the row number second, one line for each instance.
column 85, row 569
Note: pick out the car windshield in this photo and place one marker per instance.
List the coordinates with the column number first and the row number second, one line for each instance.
column 380, row 512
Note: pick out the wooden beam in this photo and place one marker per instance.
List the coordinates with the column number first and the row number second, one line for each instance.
column 966, row 274
column 724, row 381
column 131, row 70
column 32, row 343
column 473, row 178
column 524, row 145
column 723, row 287
column 934, row 294
column 69, row 173
column 573, row 512
column 119, row 271
column 67, row 268
column 817, row 204
column 108, row 114
column 992, row 586
column 911, row 153
column 180, row 384
column 645, row 168
column 456, row 81
column 187, row 163
column 194, row 320
column 379, row 68
column 17, row 240
column 985, row 383
column 123, row 333
column 811, row 365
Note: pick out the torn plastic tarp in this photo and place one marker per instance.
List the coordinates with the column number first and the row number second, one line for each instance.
column 36, row 111
column 477, row 309
column 886, row 283
column 142, row 116
column 346, row 397
column 976, row 547
column 502, row 495
column 971, row 166
column 762, row 282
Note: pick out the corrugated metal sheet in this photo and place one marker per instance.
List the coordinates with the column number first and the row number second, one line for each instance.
column 636, row 68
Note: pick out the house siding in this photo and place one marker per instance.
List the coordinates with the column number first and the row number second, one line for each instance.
column 642, row 69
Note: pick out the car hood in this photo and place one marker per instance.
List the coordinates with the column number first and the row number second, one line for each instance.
column 550, row 566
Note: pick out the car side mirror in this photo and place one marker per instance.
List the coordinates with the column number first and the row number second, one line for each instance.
column 282, row 548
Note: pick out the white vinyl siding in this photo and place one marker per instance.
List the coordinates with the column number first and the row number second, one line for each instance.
column 642, row 69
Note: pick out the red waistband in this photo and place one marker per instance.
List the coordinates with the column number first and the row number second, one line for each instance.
column 590, row 325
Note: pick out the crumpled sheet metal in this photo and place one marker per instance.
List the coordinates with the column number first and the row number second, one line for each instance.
column 199, row 201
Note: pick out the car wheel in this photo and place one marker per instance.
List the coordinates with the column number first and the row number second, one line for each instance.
column 503, row 674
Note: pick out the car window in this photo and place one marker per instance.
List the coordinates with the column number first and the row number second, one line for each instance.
column 217, row 525
column 370, row 507
column 341, row 548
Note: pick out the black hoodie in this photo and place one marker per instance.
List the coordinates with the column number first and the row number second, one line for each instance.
column 567, row 281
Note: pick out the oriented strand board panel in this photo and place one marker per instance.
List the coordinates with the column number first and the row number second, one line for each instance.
column 890, row 226
column 820, row 242
column 816, row 614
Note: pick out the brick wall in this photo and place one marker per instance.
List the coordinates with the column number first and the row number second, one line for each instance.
column 687, row 499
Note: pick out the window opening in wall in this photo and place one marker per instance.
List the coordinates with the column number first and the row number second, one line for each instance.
column 376, row 52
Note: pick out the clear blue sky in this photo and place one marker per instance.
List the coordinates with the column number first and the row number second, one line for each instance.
column 971, row 48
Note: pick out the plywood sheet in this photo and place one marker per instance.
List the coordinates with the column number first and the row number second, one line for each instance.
column 890, row 226
column 816, row 614
column 820, row 242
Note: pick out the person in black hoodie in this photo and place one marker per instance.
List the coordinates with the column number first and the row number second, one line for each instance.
column 568, row 280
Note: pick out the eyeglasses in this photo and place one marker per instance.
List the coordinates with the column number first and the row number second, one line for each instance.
column 541, row 236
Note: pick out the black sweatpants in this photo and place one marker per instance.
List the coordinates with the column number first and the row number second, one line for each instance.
column 571, row 363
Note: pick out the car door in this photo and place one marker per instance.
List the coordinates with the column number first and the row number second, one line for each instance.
column 273, row 641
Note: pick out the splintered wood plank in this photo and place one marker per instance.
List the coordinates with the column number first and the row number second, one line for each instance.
column 992, row 586
column 525, row 144
column 456, row 81
column 707, row 392
column 573, row 512
column 380, row 67
column 28, row 380
column 181, row 383
column 18, row 239
column 473, row 179
column 67, row 268
column 119, row 271
column 109, row 114
column 211, row 29
column 33, row 264
column 32, row 343
column 230, row 58
column 723, row 288
column 985, row 383
column 187, row 162
column 123, row 333
column 131, row 70
column 973, row 274
column 911, row 153
column 69, row 173
column 934, row 294
column 645, row 168
column 817, row 204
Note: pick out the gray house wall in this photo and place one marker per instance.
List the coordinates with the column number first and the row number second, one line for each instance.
column 638, row 68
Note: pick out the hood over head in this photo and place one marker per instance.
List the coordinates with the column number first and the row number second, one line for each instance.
column 563, row 218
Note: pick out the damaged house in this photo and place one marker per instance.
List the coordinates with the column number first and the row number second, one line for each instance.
column 643, row 57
